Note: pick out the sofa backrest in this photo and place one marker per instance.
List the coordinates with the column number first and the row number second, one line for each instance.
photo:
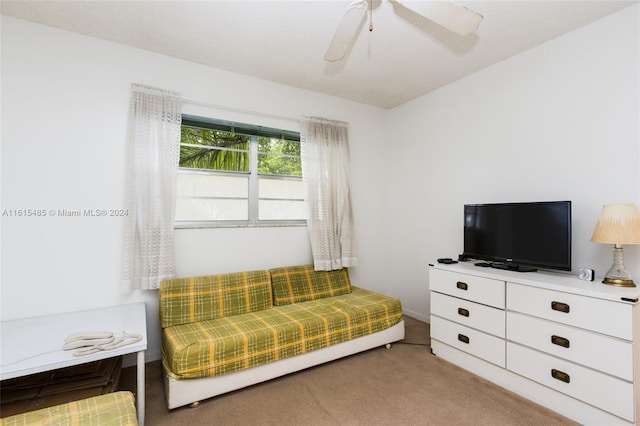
column 301, row 283
column 193, row 299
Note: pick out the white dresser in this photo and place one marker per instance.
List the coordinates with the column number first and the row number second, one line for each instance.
column 564, row 343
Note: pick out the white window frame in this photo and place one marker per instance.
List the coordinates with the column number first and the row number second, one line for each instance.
column 253, row 180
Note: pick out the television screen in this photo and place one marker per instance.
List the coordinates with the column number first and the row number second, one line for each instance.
column 519, row 236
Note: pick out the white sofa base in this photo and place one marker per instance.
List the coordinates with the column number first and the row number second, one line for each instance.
column 187, row 391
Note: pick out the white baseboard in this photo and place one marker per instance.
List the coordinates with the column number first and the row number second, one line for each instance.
column 416, row 315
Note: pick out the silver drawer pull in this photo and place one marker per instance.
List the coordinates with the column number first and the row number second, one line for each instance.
column 560, row 341
column 463, row 312
column 462, row 286
column 560, row 375
column 463, row 338
column 560, row 307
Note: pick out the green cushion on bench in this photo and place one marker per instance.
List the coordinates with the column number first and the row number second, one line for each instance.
column 301, row 283
column 194, row 299
column 225, row 345
column 115, row 409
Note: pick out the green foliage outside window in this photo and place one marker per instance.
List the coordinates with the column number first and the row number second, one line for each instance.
column 279, row 157
column 210, row 149
column 213, row 150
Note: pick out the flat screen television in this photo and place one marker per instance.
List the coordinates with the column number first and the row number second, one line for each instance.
column 519, row 236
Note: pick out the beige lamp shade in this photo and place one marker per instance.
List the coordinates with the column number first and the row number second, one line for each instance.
column 618, row 224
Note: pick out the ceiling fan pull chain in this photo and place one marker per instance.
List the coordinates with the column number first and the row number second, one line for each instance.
column 370, row 15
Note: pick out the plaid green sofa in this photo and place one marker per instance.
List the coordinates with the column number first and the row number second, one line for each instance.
column 222, row 332
column 116, row 409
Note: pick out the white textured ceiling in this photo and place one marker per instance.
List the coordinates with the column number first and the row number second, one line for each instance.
column 404, row 56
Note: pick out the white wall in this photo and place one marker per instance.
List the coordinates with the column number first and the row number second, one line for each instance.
column 558, row 122
column 65, row 100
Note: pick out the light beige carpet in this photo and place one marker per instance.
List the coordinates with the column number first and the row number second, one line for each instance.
column 405, row 385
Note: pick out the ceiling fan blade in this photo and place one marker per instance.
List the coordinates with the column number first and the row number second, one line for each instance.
column 448, row 14
column 346, row 32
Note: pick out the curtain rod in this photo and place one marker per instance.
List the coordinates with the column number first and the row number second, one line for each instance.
column 240, row 110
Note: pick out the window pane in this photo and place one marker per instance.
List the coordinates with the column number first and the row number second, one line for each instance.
column 213, row 150
column 270, row 164
column 201, row 209
column 210, row 185
column 281, row 210
column 279, row 157
column 280, row 188
column 235, row 172
column 280, row 146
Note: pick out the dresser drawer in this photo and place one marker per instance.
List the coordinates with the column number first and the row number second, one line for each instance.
column 607, row 354
column 475, row 315
column 477, row 343
column 601, row 390
column 477, row 289
column 602, row 316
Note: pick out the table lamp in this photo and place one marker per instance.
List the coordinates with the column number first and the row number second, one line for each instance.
column 618, row 224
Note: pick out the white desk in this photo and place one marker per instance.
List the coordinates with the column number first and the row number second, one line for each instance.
column 34, row 345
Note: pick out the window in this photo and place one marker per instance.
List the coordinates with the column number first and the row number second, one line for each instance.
column 238, row 174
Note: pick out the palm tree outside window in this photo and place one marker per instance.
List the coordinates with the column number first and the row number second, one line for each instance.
column 238, row 174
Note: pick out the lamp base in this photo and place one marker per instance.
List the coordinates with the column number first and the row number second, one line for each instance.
column 618, row 275
column 619, row 283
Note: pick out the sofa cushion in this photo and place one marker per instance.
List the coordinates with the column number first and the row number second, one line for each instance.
column 225, row 345
column 301, row 283
column 116, row 408
column 194, row 299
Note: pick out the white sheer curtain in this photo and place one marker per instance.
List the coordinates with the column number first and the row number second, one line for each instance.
column 153, row 153
column 325, row 172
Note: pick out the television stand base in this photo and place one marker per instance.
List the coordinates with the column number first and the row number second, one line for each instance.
column 513, row 267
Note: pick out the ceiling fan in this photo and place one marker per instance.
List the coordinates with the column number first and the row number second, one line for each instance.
column 446, row 13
